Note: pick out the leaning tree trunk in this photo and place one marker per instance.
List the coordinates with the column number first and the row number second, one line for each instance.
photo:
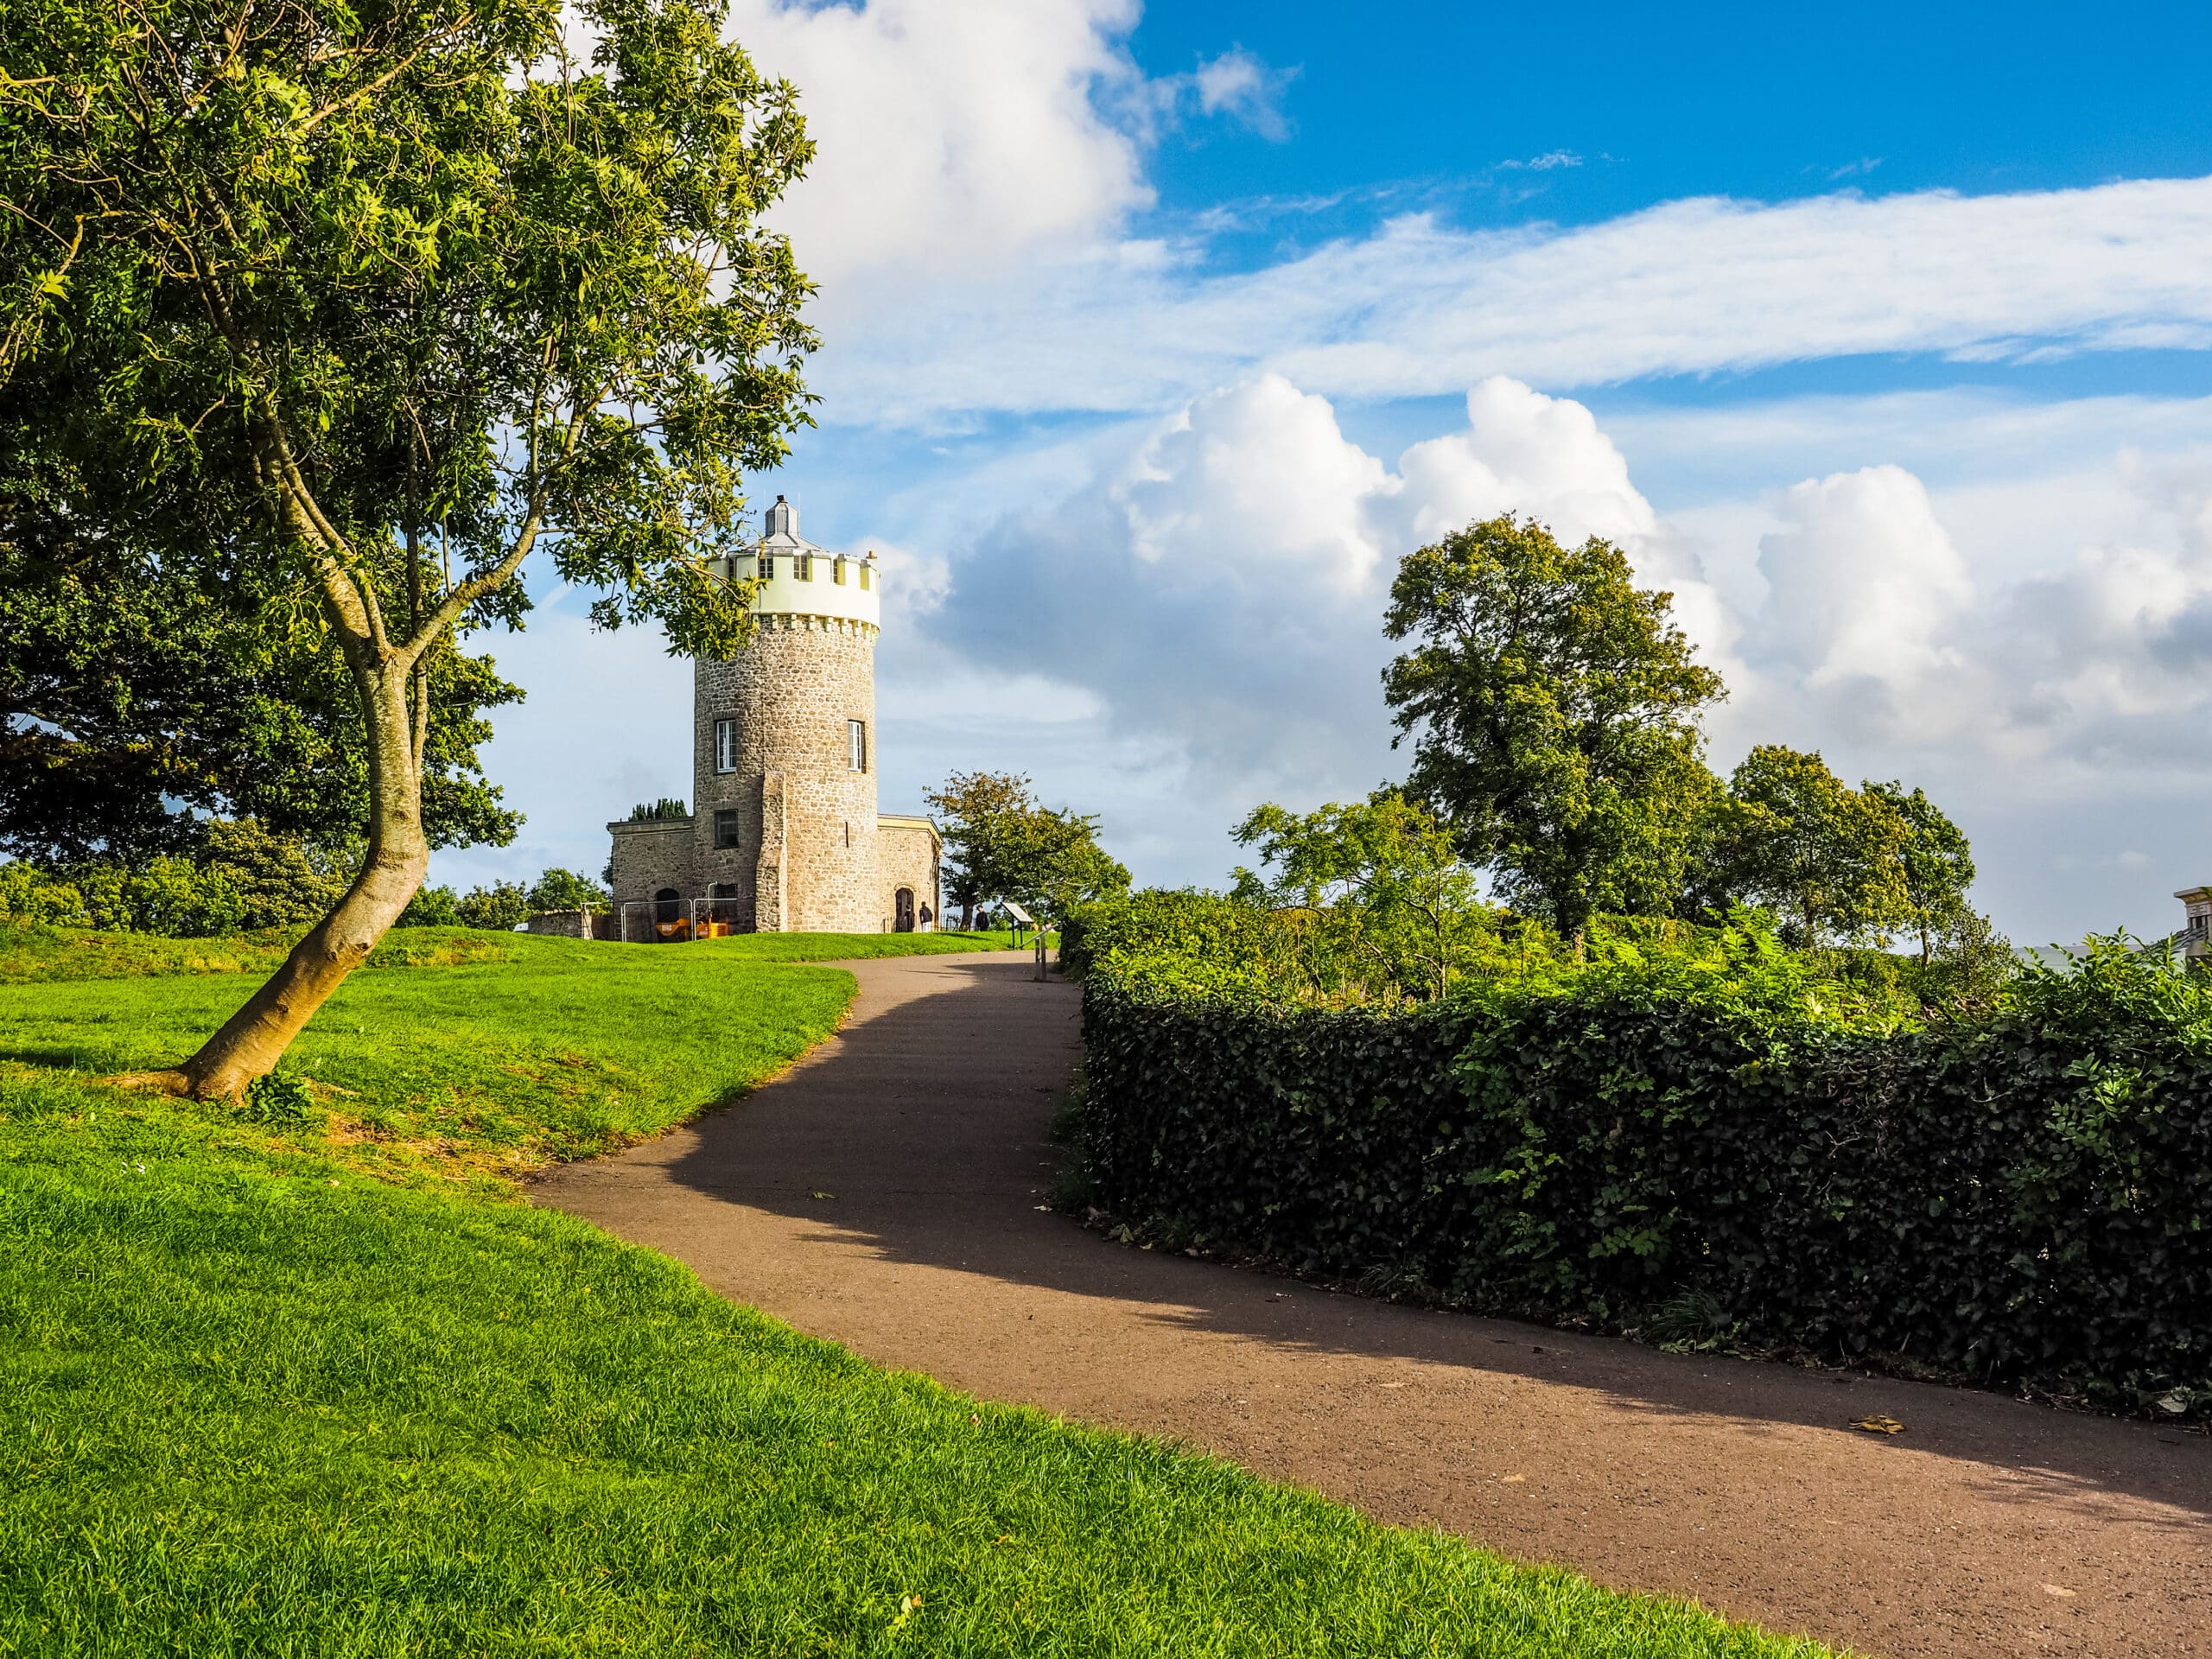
column 254, row 1039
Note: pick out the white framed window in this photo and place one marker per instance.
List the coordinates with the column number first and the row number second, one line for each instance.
column 856, row 745
column 725, row 746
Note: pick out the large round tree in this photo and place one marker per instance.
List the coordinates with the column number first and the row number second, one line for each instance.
column 362, row 306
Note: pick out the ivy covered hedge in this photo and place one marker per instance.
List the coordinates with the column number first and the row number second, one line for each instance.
column 2022, row 1198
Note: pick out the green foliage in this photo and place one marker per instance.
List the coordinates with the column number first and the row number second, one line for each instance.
column 503, row 905
column 172, row 896
column 1391, row 903
column 559, row 889
column 1554, row 709
column 665, row 807
column 1829, row 858
column 277, row 1097
column 1935, row 868
column 133, row 696
column 2020, row 1198
column 432, row 906
column 1002, row 844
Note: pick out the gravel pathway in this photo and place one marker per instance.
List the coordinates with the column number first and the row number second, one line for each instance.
column 1987, row 1527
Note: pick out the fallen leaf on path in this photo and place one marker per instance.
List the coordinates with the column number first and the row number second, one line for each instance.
column 1512, row 1480
column 1879, row 1425
column 822, row 1195
column 2057, row 1590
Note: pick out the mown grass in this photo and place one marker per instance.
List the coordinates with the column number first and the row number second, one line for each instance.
column 270, row 1389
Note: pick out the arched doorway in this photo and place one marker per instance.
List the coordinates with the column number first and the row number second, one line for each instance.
column 902, row 906
column 667, row 906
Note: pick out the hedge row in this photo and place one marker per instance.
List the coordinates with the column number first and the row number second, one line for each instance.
column 2023, row 1201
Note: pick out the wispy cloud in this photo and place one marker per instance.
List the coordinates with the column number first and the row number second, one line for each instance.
column 1418, row 307
column 1545, row 162
column 1240, row 85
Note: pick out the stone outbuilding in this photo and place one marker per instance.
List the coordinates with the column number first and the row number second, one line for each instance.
column 783, row 836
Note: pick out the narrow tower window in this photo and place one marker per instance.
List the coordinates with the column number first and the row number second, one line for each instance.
column 837, row 570
column 767, row 566
column 725, row 829
column 805, row 563
column 725, row 746
column 856, row 745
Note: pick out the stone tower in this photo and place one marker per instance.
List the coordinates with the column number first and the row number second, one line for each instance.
column 784, row 744
column 783, row 834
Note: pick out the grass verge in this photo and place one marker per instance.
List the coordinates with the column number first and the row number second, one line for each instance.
column 290, row 1388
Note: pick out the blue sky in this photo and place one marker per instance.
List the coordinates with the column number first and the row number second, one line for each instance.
column 1153, row 338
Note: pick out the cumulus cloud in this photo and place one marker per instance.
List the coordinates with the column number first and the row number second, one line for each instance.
column 1218, row 585
column 950, row 138
column 1418, row 309
column 1865, row 587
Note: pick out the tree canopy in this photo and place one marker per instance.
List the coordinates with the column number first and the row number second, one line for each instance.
column 1554, row 709
column 368, row 306
column 137, row 703
column 1003, row 844
column 1383, row 877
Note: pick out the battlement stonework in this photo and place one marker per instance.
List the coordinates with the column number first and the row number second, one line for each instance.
column 784, row 830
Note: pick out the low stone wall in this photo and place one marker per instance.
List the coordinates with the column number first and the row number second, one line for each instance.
column 567, row 924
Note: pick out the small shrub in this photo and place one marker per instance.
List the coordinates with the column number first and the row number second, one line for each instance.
column 279, row 1098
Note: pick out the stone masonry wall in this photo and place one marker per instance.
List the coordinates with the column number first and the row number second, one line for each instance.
column 791, row 691
column 650, row 854
column 907, row 856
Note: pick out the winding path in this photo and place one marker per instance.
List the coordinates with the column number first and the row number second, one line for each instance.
column 1988, row 1527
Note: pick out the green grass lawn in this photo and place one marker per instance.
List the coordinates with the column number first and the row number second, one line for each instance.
column 322, row 1386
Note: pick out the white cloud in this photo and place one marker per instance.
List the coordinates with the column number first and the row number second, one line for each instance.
column 951, row 137
column 1218, row 585
column 1545, row 162
column 1863, row 582
column 1686, row 287
column 1519, row 448
column 1245, row 87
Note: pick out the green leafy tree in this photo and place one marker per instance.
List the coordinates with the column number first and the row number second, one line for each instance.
column 559, row 889
column 134, row 703
column 377, row 304
column 1826, row 857
column 1554, row 711
column 1384, row 880
column 1050, row 860
column 1935, row 869
column 972, row 810
column 503, row 906
column 1002, row 844
column 432, row 906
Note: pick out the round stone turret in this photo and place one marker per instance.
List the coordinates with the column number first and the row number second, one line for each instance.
column 785, row 744
column 783, row 836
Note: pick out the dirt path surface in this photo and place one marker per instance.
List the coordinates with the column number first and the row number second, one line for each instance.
column 1987, row 1527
